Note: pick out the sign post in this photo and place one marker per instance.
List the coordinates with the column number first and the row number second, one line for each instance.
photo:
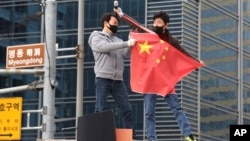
column 10, row 118
column 22, row 56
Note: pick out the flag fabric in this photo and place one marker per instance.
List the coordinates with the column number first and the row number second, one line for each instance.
column 135, row 25
column 156, row 66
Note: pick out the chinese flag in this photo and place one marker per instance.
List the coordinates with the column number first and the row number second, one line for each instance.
column 156, row 66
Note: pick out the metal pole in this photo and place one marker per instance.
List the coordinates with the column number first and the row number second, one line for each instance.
column 199, row 72
column 33, row 86
column 22, row 71
column 50, row 70
column 144, row 107
column 15, row 89
column 240, row 63
column 40, row 93
column 80, row 66
column 66, row 56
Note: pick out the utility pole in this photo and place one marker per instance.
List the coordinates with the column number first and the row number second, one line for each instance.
column 80, row 66
column 50, row 70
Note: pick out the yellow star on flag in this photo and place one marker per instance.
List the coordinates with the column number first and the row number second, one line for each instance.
column 145, row 47
column 158, row 61
column 162, row 41
column 166, row 48
column 163, row 57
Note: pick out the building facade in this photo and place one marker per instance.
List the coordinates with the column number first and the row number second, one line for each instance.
column 215, row 31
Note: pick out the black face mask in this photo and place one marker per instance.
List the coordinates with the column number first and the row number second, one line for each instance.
column 158, row 29
column 113, row 28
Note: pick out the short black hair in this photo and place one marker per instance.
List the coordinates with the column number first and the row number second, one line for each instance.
column 107, row 17
column 163, row 15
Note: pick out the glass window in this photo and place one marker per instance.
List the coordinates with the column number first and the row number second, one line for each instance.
column 70, row 16
column 246, row 120
column 246, row 9
column 6, row 3
column 246, row 38
column 215, row 122
column 4, row 81
column 246, row 69
column 5, row 27
column 21, row 7
column 246, row 101
column 219, row 90
column 218, row 24
column 219, row 57
column 231, row 5
column 16, row 83
column 2, row 55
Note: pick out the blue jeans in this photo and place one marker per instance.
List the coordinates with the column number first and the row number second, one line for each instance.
column 173, row 102
column 118, row 90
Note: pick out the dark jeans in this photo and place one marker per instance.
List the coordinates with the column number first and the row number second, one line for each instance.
column 118, row 90
column 173, row 102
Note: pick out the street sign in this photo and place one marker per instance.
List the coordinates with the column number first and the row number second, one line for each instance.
column 22, row 56
column 10, row 118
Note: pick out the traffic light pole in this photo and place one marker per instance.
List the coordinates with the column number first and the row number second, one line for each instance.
column 50, row 70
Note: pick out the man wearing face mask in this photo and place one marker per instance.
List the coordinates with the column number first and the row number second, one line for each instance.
column 109, row 52
column 160, row 24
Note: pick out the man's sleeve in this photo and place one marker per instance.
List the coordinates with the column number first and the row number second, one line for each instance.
column 176, row 44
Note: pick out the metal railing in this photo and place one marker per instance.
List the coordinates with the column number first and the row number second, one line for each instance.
column 28, row 112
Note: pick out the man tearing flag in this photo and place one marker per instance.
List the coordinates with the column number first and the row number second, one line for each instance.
column 176, row 63
column 158, row 62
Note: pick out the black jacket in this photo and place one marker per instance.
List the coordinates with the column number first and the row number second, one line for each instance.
column 175, row 43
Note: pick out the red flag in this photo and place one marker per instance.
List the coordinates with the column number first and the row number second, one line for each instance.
column 156, row 66
column 135, row 25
